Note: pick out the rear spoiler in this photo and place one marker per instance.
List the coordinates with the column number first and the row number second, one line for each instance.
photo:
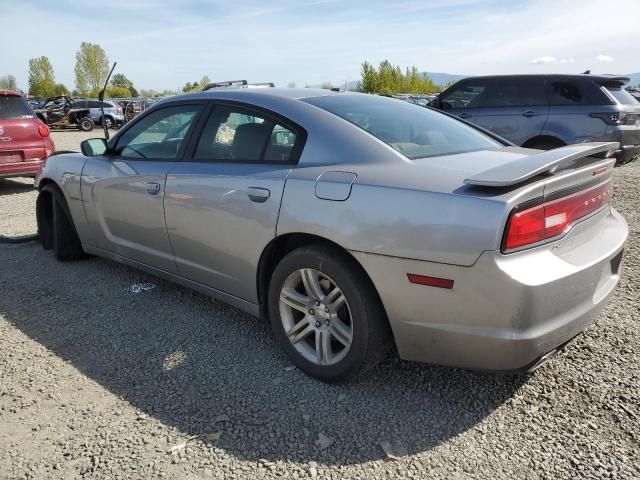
column 524, row 168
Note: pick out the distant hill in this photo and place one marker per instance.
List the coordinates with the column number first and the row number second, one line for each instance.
column 635, row 79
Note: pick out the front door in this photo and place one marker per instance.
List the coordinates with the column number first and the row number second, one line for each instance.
column 222, row 204
column 124, row 190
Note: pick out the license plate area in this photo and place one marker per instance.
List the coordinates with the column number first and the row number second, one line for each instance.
column 11, row 157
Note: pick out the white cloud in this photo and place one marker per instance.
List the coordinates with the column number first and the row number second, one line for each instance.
column 543, row 60
column 604, row 58
column 550, row 60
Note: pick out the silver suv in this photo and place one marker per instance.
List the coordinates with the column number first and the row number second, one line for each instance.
column 549, row 111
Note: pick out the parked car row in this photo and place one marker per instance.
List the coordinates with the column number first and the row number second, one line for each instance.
column 549, row 111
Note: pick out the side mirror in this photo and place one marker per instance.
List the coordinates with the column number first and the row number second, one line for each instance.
column 94, row 147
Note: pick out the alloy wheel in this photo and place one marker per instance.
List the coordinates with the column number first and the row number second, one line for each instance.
column 316, row 317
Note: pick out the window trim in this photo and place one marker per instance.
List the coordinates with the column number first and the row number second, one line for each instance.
column 113, row 143
column 276, row 118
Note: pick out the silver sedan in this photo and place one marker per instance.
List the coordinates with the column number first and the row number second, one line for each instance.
column 353, row 222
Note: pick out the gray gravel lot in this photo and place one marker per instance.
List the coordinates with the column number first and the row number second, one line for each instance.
column 99, row 382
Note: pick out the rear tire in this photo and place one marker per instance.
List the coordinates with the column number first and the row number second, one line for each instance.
column 86, row 124
column 61, row 234
column 360, row 320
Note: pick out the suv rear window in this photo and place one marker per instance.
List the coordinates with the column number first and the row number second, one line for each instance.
column 414, row 131
column 622, row 96
column 12, row 107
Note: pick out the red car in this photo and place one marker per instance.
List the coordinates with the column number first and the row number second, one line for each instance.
column 25, row 142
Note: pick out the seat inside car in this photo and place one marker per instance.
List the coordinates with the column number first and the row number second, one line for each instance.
column 250, row 140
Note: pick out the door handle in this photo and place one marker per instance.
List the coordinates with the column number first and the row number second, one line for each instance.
column 530, row 113
column 258, row 194
column 153, row 188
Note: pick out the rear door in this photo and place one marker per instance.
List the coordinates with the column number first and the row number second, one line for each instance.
column 19, row 137
column 124, row 191
column 222, row 204
column 516, row 108
column 462, row 98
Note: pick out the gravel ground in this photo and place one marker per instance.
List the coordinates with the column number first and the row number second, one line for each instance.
column 99, row 382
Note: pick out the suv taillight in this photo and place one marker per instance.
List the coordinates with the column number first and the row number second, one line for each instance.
column 43, row 130
column 617, row 118
column 554, row 218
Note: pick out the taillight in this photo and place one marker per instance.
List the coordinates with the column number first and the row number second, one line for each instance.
column 43, row 130
column 618, row 118
column 554, row 218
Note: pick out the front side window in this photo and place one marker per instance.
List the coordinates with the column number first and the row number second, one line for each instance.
column 462, row 95
column 414, row 131
column 159, row 135
column 514, row 92
column 234, row 134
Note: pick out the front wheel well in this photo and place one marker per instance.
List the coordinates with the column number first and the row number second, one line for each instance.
column 278, row 248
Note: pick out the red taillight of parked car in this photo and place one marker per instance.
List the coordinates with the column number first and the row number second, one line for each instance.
column 43, row 130
column 554, row 218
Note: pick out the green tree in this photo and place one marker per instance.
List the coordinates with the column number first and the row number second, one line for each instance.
column 92, row 68
column 121, row 81
column 60, row 89
column 326, row 85
column 389, row 80
column 8, row 82
column 118, row 92
column 187, row 87
column 205, row 81
column 41, row 77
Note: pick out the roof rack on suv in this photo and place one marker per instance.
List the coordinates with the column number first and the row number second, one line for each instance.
column 237, row 84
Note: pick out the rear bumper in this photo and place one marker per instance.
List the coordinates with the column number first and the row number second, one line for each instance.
column 20, row 169
column 506, row 311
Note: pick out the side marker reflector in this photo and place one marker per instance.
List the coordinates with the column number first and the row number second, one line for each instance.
column 430, row 281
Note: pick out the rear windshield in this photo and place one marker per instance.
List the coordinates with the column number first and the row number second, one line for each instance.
column 622, row 96
column 12, row 107
column 414, row 131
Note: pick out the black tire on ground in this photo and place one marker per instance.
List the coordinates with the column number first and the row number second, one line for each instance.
column 86, row 124
column 371, row 332
column 60, row 232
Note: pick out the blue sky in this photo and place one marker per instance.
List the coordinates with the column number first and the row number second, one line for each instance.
column 165, row 44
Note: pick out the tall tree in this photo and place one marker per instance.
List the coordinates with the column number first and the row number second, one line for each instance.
column 8, row 82
column 92, row 68
column 388, row 80
column 120, row 80
column 41, row 77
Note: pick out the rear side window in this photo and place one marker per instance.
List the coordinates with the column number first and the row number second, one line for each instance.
column 514, row 92
column 463, row 94
column 414, row 131
column 567, row 92
column 12, row 107
column 235, row 134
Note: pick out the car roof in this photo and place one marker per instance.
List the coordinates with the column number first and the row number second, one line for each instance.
column 9, row 93
column 289, row 93
column 589, row 76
